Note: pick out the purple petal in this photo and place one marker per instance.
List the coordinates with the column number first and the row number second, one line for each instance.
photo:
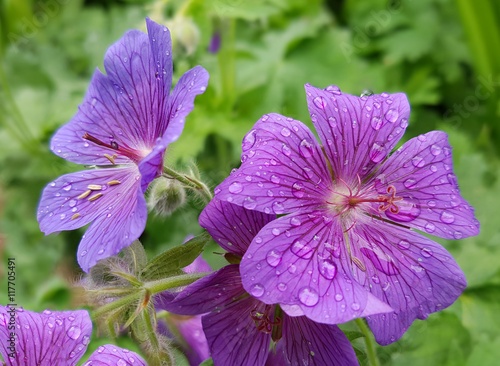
column 109, row 198
column 232, row 227
column 414, row 275
column 47, row 338
column 180, row 104
column 112, row 355
column 198, row 265
column 357, row 133
column 192, row 333
column 127, row 109
column 233, row 337
column 301, row 259
column 211, row 292
column 284, row 169
column 310, row 343
column 421, row 171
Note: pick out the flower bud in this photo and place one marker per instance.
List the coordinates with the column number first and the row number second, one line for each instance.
column 166, row 196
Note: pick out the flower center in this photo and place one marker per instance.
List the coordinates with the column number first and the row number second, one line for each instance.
column 121, row 149
column 264, row 319
column 347, row 200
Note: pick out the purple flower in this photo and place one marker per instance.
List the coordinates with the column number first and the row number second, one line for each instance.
column 239, row 327
column 215, row 42
column 54, row 338
column 346, row 248
column 124, row 124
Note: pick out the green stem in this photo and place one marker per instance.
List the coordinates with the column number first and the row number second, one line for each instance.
column 167, row 283
column 370, row 345
column 190, row 182
column 117, row 304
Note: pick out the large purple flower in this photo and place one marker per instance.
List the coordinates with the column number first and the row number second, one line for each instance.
column 124, row 124
column 351, row 206
column 58, row 338
column 239, row 327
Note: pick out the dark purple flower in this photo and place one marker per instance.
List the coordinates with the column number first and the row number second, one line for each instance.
column 215, row 42
column 239, row 327
column 54, row 338
column 346, row 249
column 124, row 124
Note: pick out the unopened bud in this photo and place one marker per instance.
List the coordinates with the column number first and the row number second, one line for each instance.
column 185, row 33
column 166, row 196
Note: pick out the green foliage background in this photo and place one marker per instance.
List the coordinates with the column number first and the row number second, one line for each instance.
column 445, row 54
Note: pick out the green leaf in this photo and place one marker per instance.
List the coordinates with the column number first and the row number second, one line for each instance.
column 208, row 362
column 175, row 259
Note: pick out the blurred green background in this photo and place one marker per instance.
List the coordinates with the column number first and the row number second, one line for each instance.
column 445, row 54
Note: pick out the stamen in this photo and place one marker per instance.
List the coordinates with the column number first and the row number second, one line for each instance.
column 111, row 158
column 93, row 198
column 75, row 216
column 113, row 182
column 94, row 187
column 262, row 321
column 358, row 263
column 84, row 195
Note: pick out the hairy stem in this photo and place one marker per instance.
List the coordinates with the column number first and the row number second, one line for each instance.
column 189, row 182
column 370, row 345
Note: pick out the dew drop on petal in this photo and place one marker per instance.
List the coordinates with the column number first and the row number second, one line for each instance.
column 275, row 179
column 295, row 222
column 278, row 208
column 426, row 252
column 308, row 296
column 306, row 149
column 355, row 306
column 276, row 231
column 392, row 115
column 435, row 150
column 403, row 244
column 430, row 227
column 282, row 286
column 258, row 240
column 286, row 150
column 458, row 235
column 377, row 123
column 418, row 162
column 297, row 190
column 447, row 217
column 377, row 152
column 257, row 290
column 67, row 187
column 249, row 203
column 319, row 102
column 333, row 89
column 339, row 297
column 235, row 187
column 273, row 258
column 328, row 269
column 410, row 183
column 302, row 249
column 74, row 332
column 249, row 139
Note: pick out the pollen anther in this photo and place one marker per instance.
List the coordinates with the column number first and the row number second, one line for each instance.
column 94, row 187
column 75, row 216
column 111, row 158
column 113, row 182
column 94, row 197
column 84, row 194
column 358, row 263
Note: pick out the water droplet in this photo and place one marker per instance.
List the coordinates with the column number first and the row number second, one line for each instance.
column 62, row 216
column 377, row 152
column 426, row 252
column 249, row 139
column 447, row 217
column 278, row 208
column 418, row 162
column 295, row 222
column 276, row 231
column 67, row 187
column 403, row 244
column 74, row 332
column 328, row 269
column 302, row 249
column 377, row 123
column 430, row 227
column 235, row 187
column 273, row 258
column 410, row 183
column 333, row 89
column 249, row 203
column 297, row 190
column 392, row 115
column 422, row 138
column 404, row 123
column 72, row 203
column 339, row 297
column 355, row 306
column 433, row 168
column 457, row 235
column 282, row 286
column 286, row 150
column 83, row 254
column 319, row 102
column 258, row 240
column 308, row 296
column 121, row 362
column 306, row 149
column 275, row 179
column 257, row 290
column 435, row 150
